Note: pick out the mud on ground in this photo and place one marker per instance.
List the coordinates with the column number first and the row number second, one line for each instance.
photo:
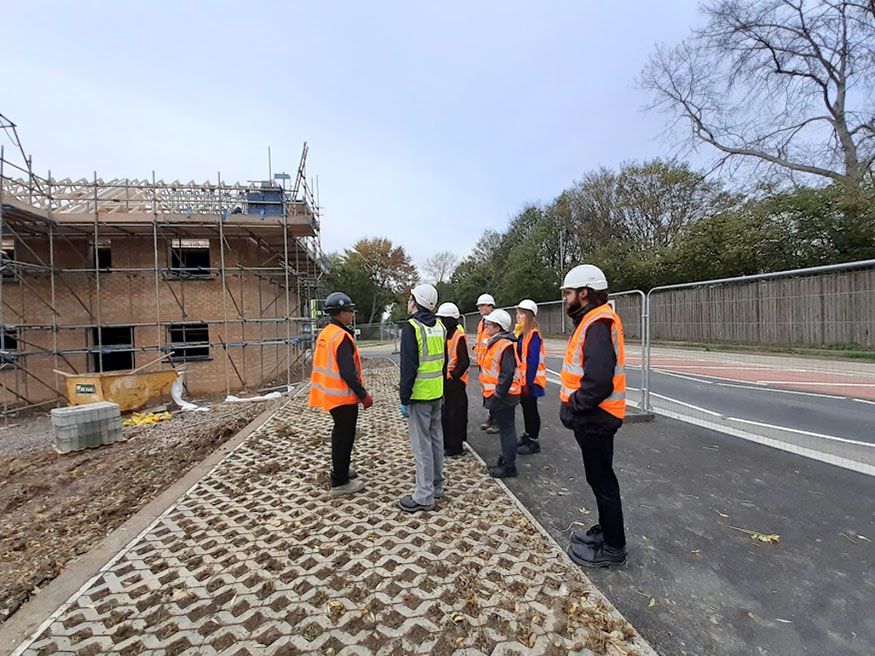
column 56, row 507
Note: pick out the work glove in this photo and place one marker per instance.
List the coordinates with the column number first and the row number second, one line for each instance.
column 404, row 411
column 368, row 401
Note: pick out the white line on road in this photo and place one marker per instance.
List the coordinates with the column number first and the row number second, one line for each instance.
column 813, row 382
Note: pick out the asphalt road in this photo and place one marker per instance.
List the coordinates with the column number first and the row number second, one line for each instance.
column 696, row 583
column 839, row 417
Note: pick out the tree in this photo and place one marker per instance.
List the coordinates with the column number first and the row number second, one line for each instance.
column 375, row 273
column 440, row 266
column 783, row 84
column 657, row 200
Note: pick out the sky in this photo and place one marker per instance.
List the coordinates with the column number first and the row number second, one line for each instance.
column 427, row 122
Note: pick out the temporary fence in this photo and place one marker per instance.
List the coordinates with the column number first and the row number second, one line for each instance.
column 785, row 359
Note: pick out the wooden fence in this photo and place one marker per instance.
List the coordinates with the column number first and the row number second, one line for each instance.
column 829, row 309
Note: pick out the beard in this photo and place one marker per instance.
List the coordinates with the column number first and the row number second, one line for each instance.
column 572, row 308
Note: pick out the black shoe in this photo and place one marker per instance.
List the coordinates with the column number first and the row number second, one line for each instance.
column 407, row 504
column 591, row 537
column 522, row 439
column 502, row 471
column 598, row 556
column 528, row 446
column 485, row 425
column 453, row 454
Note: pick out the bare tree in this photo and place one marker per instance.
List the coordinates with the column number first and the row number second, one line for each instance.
column 440, row 266
column 788, row 85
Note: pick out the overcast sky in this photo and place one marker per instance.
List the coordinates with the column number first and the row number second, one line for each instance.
column 427, row 122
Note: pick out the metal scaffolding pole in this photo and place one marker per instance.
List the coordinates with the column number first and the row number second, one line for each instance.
column 224, row 295
column 2, row 317
column 155, row 259
column 97, row 282
column 55, row 363
column 288, row 300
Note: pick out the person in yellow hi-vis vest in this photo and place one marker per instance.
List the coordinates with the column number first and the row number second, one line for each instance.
column 421, row 388
column 593, row 395
column 337, row 387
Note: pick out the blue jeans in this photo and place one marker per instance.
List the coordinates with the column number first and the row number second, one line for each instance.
column 504, row 418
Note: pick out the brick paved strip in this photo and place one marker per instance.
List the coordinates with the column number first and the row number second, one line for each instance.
column 259, row 559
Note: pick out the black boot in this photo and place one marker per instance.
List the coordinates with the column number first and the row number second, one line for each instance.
column 527, row 446
column 600, row 555
column 590, row 538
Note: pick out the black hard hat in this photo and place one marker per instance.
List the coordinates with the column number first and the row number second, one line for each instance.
column 338, row 301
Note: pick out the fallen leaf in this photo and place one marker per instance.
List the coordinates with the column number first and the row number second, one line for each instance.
column 584, row 511
column 771, row 538
column 863, row 537
column 722, row 514
column 777, row 619
column 563, row 492
column 652, row 603
column 696, row 551
column 762, row 537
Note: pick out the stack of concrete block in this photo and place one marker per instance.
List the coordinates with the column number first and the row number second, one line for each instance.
column 86, row 426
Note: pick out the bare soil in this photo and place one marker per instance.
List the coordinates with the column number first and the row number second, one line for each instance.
column 56, row 507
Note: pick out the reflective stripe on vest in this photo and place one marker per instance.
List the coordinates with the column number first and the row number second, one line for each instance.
column 452, row 353
column 574, row 366
column 327, row 389
column 491, row 366
column 541, row 373
column 480, row 344
column 431, row 342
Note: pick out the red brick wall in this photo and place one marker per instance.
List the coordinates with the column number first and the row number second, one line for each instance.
column 129, row 297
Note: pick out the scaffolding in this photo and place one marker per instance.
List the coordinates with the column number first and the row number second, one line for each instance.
column 52, row 232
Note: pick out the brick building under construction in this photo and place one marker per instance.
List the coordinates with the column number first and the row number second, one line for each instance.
column 103, row 275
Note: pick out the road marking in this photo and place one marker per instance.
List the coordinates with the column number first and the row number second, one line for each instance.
column 763, row 424
column 839, row 461
column 801, row 382
column 691, row 406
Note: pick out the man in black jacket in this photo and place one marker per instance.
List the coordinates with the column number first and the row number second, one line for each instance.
column 593, row 409
column 337, row 387
column 501, row 382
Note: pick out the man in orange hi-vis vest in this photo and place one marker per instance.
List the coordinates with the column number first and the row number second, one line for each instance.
column 593, row 395
column 337, row 387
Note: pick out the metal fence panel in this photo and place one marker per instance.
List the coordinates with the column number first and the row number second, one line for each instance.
column 786, row 359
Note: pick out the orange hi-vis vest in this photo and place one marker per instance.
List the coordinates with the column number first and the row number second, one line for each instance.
column 541, row 373
column 573, row 367
column 453, row 352
column 480, row 344
column 327, row 389
column 492, row 364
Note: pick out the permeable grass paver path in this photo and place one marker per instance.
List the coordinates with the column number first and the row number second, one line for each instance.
column 258, row 559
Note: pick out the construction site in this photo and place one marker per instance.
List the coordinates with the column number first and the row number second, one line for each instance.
column 214, row 280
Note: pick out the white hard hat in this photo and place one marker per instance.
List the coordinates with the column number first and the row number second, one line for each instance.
column 448, row 310
column 425, row 295
column 528, row 304
column 585, row 275
column 500, row 317
column 486, row 299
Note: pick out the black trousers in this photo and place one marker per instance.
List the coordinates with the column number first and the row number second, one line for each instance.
column 531, row 418
column 454, row 415
column 342, row 438
column 597, row 447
